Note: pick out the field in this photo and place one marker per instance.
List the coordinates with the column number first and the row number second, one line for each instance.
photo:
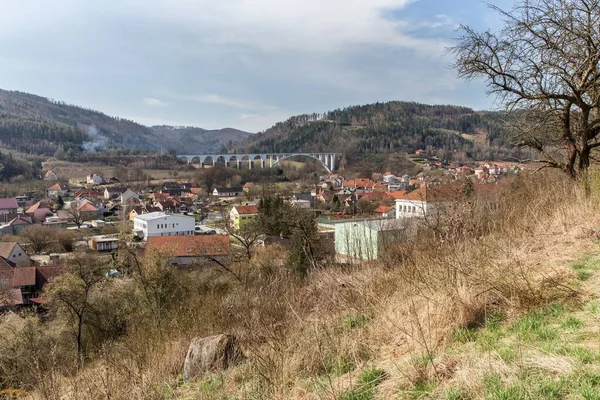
column 77, row 172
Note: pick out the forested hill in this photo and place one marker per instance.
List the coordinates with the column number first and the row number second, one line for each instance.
column 451, row 132
column 37, row 125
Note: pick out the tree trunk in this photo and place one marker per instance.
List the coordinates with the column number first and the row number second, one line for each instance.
column 571, row 159
column 80, row 341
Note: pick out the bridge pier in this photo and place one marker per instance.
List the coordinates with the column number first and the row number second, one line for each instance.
column 327, row 160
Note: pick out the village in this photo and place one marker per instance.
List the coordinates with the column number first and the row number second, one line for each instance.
column 355, row 218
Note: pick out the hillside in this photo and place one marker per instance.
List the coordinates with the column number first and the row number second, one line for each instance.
column 197, row 140
column 37, row 125
column 448, row 131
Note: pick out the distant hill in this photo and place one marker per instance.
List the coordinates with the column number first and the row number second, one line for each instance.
column 197, row 140
column 450, row 132
column 37, row 125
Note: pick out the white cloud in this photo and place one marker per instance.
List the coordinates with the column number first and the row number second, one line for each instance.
column 150, row 101
column 211, row 98
column 274, row 25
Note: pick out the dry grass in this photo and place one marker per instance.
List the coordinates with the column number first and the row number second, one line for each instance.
column 317, row 338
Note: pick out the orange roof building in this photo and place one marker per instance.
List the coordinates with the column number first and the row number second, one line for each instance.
column 190, row 249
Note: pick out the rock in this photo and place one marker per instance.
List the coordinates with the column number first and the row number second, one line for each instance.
column 213, row 353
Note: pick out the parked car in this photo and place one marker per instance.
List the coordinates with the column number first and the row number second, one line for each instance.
column 210, row 232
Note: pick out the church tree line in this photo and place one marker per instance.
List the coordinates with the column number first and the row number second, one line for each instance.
column 393, row 127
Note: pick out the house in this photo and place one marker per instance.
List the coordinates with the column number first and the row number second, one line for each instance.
column 191, row 250
column 16, row 225
column 357, row 241
column 94, row 179
column 241, row 216
column 87, row 208
column 172, row 189
column 302, row 200
column 426, row 200
column 358, row 183
column 23, row 199
column 57, row 190
column 104, row 243
column 127, row 195
column 162, row 224
column 228, row 192
column 420, row 153
column 15, row 254
column 50, row 176
column 40, row 210
column 8, row 209
column 247, row 187
column 480, row 172
column 388, row 177
column 140, row 210
column 28, row 282
column 86, row 193
column 386, row 211
column 22, row 278
column 464, row 170
column 171, row 206
column 113, row 192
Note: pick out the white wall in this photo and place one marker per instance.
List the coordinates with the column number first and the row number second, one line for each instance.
column 19, row 257
column 412, row 209
column 169, row 225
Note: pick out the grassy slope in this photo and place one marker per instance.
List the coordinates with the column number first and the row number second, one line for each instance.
column 545, row 349
column 503, row 308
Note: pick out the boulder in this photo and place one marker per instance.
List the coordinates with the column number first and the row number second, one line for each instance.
column 209, row 354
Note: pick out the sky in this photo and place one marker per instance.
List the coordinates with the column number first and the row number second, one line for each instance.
column 245, row 64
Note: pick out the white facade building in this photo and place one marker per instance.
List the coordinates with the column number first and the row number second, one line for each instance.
column 426, row 201
column 94, row 179
column 162, row 224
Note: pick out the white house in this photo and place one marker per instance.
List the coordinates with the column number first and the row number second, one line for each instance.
column 13, row 252
column 228, row 192
column 129, row 194
column 425, row 201
column 94, row 179
column 162, row 224
column 57, row 190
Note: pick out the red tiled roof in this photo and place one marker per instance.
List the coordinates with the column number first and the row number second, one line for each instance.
column 191, row 246
column 434, row 193
column 6, row 248
column 45, row 274
column 41, row 213
column 397, row 194
column 56, row 187
column 246, row 210
column 21, row 220
column 18, row 276
column 383, row 209
column 248, row 185
column 8, row 203
column 86, row 206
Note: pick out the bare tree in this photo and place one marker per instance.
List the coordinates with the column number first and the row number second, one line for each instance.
column 38, row 237
column 73, row 293
column 78, row 216
column 543, row 66
column 247, row 236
